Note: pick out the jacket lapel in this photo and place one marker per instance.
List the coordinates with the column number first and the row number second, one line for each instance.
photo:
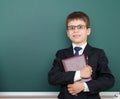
column 87, row 50
column 69, row 52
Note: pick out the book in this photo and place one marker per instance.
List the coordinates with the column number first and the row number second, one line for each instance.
column 75, row 63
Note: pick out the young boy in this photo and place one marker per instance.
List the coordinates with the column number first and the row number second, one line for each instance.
column 78, row 29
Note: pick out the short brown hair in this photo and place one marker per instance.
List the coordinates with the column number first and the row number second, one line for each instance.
column 78, row 15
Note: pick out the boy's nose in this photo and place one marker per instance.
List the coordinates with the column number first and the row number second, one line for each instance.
column 76, row 29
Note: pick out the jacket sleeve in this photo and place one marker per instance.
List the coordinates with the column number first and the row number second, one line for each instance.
column 57, row 75
column 102, row 76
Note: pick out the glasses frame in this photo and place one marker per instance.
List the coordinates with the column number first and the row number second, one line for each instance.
column 79, row 27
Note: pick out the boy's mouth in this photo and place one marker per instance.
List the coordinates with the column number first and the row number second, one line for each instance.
column 76, row 35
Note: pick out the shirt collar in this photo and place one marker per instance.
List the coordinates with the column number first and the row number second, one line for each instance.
column 82, row 46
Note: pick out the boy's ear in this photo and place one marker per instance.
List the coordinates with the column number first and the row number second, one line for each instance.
column 67, row 32
column 89, row 31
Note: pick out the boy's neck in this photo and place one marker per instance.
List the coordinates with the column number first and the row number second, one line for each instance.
column 79, row 45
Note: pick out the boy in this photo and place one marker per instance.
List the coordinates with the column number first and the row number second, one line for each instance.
column 78, row 29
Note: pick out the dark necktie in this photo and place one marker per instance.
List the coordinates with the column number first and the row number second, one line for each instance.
column 77, row 49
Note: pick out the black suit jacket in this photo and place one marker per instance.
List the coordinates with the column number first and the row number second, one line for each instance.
column 102, row 78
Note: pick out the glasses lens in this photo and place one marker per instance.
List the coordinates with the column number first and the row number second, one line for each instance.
column 80, row 27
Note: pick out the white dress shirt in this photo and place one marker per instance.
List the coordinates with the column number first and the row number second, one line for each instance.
column 77, row 73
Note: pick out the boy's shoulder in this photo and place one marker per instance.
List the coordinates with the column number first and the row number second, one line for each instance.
column 65, row 49
column 96, row 50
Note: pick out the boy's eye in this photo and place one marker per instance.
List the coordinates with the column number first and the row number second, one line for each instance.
column 80, row 26
column 72, row 27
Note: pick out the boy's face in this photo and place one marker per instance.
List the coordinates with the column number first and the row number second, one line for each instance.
column 77, row 31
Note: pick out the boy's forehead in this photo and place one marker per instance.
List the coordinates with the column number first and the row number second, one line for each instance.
column 76, row 21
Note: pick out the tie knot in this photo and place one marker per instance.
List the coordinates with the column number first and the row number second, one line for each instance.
column 77, row 49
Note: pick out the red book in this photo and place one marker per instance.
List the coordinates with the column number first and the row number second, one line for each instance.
column 75, row 63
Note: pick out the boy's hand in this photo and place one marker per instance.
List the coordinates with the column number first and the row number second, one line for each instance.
column 86, row 72
column 75, row 88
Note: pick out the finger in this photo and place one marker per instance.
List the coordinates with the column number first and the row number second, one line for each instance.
column 69, row 85
column 69, row 89
column 91, row 70
column 74, row 94
column 71, row 92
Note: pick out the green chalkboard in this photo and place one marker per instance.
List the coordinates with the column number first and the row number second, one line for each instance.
column 31, row 31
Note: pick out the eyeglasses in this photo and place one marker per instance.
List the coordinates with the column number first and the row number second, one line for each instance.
column 79, row 27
